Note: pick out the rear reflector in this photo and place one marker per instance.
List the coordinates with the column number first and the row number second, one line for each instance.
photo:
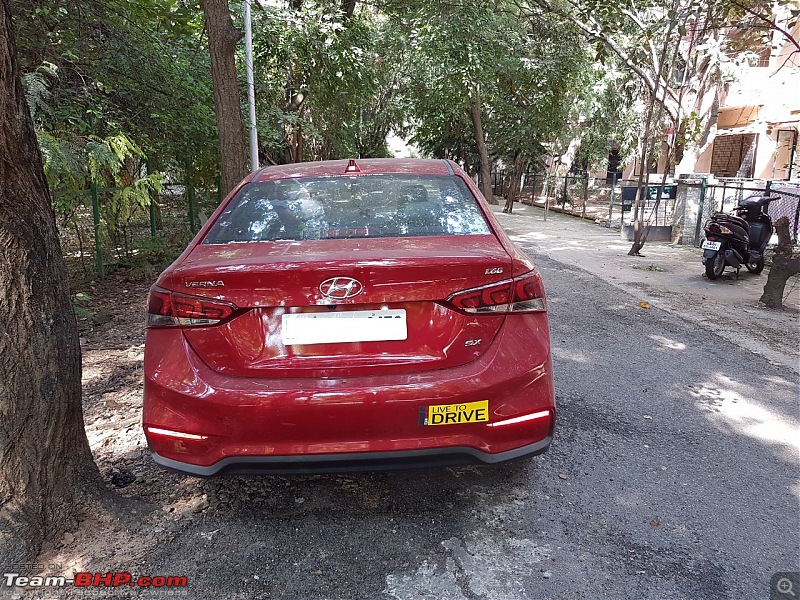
column 175, row 434
column 521, row 294
column 170, row 309
column 522, row 419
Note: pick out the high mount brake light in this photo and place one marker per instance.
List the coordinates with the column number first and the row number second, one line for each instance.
column 170, row 309
column 352, row 167
column 519, row 295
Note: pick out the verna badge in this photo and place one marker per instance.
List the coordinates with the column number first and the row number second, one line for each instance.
column 339, row 288
column 204, row 284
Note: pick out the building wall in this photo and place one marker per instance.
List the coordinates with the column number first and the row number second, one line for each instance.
column 765, row 100
column 762, row 100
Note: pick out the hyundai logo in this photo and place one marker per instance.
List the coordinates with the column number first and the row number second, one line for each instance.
column 339, row 288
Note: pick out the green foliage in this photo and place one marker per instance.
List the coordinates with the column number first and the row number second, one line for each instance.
column 101, row 69
column 546, row 72
column 124, row 204
column 448, row 61
column 158, row 251
column 115, row 163
column 327, row 83
column 329, row 86
column 608, row 117
column 119, row 91
column 678, row 51
column 80, row 303
column 523, row 72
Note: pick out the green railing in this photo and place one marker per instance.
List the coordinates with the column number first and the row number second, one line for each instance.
column 88, row 235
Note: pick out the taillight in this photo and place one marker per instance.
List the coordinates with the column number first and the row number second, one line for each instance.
column 720, row 229
column 170, row 309
column 521, row 294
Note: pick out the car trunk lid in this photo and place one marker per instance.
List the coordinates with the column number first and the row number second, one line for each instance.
column 411, row 277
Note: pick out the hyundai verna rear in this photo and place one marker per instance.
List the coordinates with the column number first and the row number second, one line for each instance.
column 344, row 316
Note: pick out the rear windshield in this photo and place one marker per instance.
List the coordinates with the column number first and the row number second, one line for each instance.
column 365, row 206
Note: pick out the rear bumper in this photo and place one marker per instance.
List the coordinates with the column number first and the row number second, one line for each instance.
column 353, row 462
column 202, row 422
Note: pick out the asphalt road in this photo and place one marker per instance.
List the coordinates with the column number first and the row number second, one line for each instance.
column 673, row 475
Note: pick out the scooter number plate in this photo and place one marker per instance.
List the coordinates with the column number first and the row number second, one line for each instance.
column 711, row 245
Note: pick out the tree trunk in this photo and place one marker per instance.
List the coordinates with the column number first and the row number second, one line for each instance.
column 514, row 184
column 484, row 172
column 348, row 7
column 45, row 462
column 222, row 40
column 659, row 68
column 784, row 265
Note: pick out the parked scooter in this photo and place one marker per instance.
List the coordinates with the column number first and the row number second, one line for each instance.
column 740, row 239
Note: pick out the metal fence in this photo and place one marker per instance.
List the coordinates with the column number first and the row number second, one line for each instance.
column 97, row 237
column 158, row 229
column 725, row 195
column 582, row 195
column 561, row 188
column 788, row 206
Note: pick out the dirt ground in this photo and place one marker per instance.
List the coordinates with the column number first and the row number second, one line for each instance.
column 161, row 503
column 154, row 501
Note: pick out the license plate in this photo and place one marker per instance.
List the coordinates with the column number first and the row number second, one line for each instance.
column 344, row 326
column 455, row 414
column 711, row 245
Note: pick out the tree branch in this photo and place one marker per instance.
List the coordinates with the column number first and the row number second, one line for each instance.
column 772, row 24
column 595, row 32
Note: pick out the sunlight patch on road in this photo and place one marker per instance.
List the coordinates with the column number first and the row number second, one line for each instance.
column 668, row 343
column 573, row 355
column 527, row 237
column 730, row 411
column 562, row 248
column 795, row 487
column 115, row 435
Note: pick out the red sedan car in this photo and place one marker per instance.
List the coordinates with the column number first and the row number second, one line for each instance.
column 344, row 316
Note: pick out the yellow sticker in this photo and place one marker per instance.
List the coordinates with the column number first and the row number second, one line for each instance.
column 456, row 414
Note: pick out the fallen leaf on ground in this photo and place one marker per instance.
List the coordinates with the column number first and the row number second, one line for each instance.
column 644, row 305
column 562, row 475
column 655, row 521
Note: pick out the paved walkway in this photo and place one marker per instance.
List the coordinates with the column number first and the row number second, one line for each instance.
column 669, row 277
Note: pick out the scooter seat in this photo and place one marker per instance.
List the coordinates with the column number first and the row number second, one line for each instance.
column 740, row 229
column 753, row 206
column 731, row 219
column 756, row 201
